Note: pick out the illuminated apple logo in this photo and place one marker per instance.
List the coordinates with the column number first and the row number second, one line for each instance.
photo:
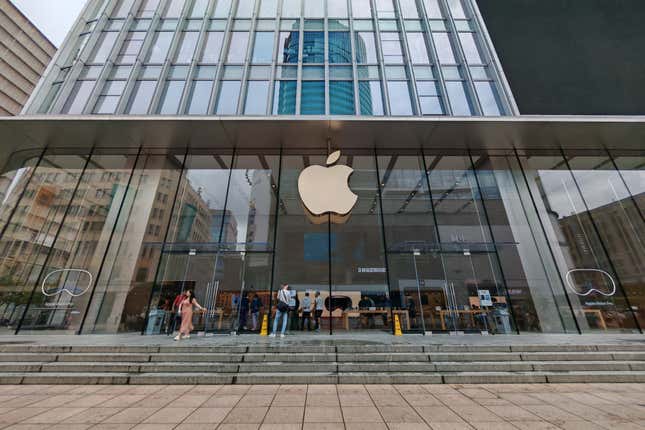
column 326, row 189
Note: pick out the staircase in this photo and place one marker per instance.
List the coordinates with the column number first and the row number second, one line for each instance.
column 321, row 364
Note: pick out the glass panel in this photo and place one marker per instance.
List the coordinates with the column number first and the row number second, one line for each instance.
column 444, row 48
column 337, row 8
column 77, row 252
column 340, row 47
column 488, row 98
column 187, row 45
column 314, row 8
column 471, row 50
column 632, row 170
column 618, row 221
column 456, row 9
column 313, row 49
column 263, row 47
column 573, row 224
column 252, row 201
column 126, row 282
column 104, row 46
column 459, row 100
column 245, row 8
column 385, row 8
column 341, row 98
column 173, row 8
column 361, row 8
column 170, row 98
column 359, row 283
column 302, row 245
column 288, row 47
column 229, row 94
column 212, row 47
column 290, row 8
column 199, row 96
column 400, row 103
column 432, row 9
column 313, row 98
column 365, row 48
column 257, row 94
column 199, row 9
column 284, row 98
column 222, row 9
column 391, row 46
column 141, row 97
column 409, row 8
column 313, row 72
column 77, row 99
column 268, row 8
column 160, row 47
column 237, row 47
column 148, row 8
column 418, row 48
column 370, row 98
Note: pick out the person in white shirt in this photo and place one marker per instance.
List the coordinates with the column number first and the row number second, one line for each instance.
column 282, row 310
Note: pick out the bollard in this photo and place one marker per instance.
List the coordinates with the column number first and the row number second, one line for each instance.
column 397, row 326
column 265, row 326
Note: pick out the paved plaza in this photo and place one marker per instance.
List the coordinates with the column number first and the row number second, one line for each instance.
column 325, row 407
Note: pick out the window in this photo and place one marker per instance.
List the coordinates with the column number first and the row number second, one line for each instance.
column 313, row 98
column 444, row 48
column 237, row 47
column 456, row 9
column 291, row 8
column 131, row 47
column 148, row 8
column 245, row 8
column 341, row 97
column 361, row 9
column 141, row 97
column 160, row 46
column 409, row 9
column 459, row 101
column 288, row 47
column 171, row 97
column 370, row 98
column 257, row 94
column 200, row 94
column 418, row 48
column 229, row 94
column 103, row 47
column 337, row 8
column 268, row 8
column 471, row 51
column 222, row 9
column 400, row 103
column 199, row 9
column 385, row 9
column 212, row 47
column 284, row 98
column 174, row 8
column 429, row 98
column 313, row 48
column 365, row 47
column 340, row 47
column 391, row 45
column 109, row 98
column 488, row 98
column 186, row 48
column 314, row 9
column 263, row 47
column 78, row 97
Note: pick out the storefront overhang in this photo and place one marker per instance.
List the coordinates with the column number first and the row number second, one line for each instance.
column 524, row 132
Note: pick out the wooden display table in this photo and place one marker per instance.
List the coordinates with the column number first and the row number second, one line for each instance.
column 358, row 313
column 470, row 312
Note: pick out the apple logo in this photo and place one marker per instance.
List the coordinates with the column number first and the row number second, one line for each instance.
column 326, row 190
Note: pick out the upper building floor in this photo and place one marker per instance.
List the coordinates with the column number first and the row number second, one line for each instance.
column 276, row 57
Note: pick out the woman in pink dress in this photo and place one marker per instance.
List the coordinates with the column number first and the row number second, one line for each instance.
column 186, row 311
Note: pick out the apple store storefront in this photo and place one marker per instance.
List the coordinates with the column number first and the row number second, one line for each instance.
column 103, row 239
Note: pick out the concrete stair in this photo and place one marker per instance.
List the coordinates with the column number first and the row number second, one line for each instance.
column 321, row 364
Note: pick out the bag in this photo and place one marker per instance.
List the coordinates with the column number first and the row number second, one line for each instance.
column 282, row 306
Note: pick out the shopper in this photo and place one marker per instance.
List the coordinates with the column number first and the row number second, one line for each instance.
column 244, row 311
column 256, row 306
column 176, row 316
column 282, row 310
column 320, row 306
column 186, row 311
column 306, row 312
column 294, row 307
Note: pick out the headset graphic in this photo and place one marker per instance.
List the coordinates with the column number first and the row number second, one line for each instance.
column 573, row 288
column 64, row 288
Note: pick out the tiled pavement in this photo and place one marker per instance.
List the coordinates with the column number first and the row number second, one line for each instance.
column 325, row 407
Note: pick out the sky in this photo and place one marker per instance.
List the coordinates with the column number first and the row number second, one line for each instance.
column 53, row 17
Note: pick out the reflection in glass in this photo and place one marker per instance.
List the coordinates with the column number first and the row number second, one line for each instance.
column 212, row 47
column 187, row 44
column 77, row 99
column 160, row 47
column 237, row 47
column 229, row 94
column 313, row 49
column 199, row 97
column 284, row 98
column 340, row 47
column 370, row 97
column 459, row 100
column 400, row 103
column 263, row 47
column 141, row 97
column 365, row 47
column 170, row 98
column 341, row 97
column 488, row 98
column 444, row 48
column 313, row 98
column 257, row 93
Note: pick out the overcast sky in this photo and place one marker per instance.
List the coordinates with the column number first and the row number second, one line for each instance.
column 53, row 17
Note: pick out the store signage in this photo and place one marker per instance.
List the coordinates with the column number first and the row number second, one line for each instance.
column 371, row 270
column 325, row 190
column 589, row 287
column 60, row 289
column 484, row 298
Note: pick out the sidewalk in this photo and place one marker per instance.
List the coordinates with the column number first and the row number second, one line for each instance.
column 325, row 407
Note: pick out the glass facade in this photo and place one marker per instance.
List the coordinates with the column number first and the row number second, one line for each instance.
column 447, row 241
column 328, row 57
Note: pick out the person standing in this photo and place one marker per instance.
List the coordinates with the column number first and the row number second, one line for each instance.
column 282, row 310
column 186, row 311
column 306, row 312
column 244, row 311
column 176, row 316
column 256, row 305
column 320, row 306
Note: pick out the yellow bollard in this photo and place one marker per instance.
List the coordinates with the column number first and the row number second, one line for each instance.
column 264, row 331
column 397, row 326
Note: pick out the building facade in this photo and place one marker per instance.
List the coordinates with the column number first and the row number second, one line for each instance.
column 26, row 52
column 163, row 149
